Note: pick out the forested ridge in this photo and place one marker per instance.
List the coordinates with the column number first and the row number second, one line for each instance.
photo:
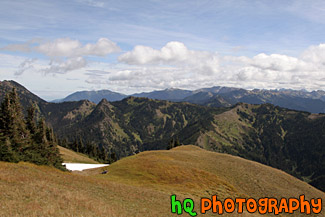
column 285, row 139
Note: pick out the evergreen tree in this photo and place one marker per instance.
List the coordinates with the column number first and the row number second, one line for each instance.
column 24, row 140
column 177, row 143
column 173, row 143
column 113, row 157
column 6, row 154
column 30, row 120
column 63, row 142
column 50, row 135
column 40, row 135
column 12, row 123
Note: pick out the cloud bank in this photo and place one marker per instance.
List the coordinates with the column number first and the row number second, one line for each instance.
column 65, row 54
column 65, row 47
column 174, row 65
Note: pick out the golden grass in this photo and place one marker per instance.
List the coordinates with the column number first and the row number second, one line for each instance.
column 194, row 172
column 70, row 156
column 141, row 185
column 29, row 190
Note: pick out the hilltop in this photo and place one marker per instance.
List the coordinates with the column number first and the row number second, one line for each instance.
column 141, row 185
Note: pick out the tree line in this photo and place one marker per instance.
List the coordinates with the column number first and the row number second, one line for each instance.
column 23, row 138
column 93, row 151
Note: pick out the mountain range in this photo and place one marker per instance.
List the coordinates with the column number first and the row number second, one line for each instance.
column 218, row 96
column 290, row 140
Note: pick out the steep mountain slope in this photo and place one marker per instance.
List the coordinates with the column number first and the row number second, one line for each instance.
column 135, row 124
column 93, row 96
column 289, row 140
column 27, row 98
column 141, row 185
column 61, row 115
column 53, row 112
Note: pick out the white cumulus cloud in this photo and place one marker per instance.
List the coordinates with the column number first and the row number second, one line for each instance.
column 65, row 66
column 64, row 54
column 315, row 55
column 276, row 62
column 173, row 54
column 66, row 47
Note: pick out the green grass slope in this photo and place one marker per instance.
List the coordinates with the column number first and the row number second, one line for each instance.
column 141, row 185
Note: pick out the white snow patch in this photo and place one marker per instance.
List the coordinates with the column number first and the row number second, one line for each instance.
column 81, row 167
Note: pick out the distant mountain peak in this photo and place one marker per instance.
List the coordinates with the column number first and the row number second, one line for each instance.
column 103, row 102
column 95, row 96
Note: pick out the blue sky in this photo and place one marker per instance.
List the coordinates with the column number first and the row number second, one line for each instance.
column 57, row 47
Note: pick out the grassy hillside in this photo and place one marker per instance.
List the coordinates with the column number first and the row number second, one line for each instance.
column 285, row 139
column 141, row 185
column 70, row 156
